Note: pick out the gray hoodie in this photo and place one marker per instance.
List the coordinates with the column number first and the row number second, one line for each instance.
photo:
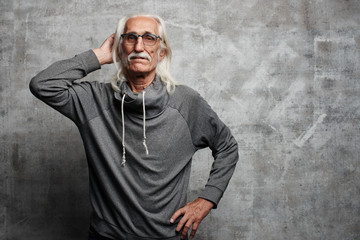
column 139, row 155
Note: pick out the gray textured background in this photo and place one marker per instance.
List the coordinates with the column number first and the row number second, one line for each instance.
column 283, row 74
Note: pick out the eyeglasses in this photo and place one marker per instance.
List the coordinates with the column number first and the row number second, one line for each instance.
column 148, row 38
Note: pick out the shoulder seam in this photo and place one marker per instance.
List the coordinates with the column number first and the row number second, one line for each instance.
column 187, row 124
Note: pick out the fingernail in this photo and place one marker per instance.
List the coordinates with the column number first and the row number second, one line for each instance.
column 172, row 220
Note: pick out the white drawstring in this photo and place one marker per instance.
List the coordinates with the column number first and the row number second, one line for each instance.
column 144, row 128
column 123, row 129
column 123, row 132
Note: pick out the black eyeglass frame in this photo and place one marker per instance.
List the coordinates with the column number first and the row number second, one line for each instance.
column 142, row 36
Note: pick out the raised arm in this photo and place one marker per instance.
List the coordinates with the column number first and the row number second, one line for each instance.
column 55, row 85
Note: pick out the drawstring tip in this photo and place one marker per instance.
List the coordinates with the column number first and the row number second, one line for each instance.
column 123, row 161
column 146, row 148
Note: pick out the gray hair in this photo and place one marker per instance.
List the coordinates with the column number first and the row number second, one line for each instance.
column 162, row 68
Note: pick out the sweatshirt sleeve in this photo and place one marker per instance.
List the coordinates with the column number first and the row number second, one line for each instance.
column 55, row 85
column 207, row 130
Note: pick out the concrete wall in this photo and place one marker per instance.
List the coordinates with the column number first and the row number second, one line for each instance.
column 283, row 74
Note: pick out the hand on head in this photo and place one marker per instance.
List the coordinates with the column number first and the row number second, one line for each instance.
column 104, row 52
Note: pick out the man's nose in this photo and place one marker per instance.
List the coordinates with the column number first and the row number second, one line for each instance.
column 139, row 45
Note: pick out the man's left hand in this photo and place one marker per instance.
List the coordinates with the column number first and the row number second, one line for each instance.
column 193, row 213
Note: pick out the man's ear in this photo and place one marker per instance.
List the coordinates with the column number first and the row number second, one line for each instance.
column 162, row 54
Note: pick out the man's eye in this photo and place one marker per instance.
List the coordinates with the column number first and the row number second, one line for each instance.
column 131, row 37
column 149, row 37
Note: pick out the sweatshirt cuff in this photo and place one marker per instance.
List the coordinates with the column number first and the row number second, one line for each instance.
column 89, row 61
column 212, row 194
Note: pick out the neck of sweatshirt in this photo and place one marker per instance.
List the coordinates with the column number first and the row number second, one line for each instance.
column 155, row 98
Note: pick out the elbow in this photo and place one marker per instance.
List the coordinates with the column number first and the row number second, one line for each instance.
column 34, row 87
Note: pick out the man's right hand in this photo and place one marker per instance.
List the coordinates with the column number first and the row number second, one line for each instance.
column 104, row 52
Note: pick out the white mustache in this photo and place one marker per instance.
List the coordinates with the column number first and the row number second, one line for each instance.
column 140, row 54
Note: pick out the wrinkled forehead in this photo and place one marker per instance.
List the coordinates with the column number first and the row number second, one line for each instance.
column 141, row 25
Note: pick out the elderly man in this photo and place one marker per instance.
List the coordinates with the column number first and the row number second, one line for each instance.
column 140, row 132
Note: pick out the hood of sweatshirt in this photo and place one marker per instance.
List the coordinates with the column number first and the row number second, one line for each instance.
column 154, row 97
